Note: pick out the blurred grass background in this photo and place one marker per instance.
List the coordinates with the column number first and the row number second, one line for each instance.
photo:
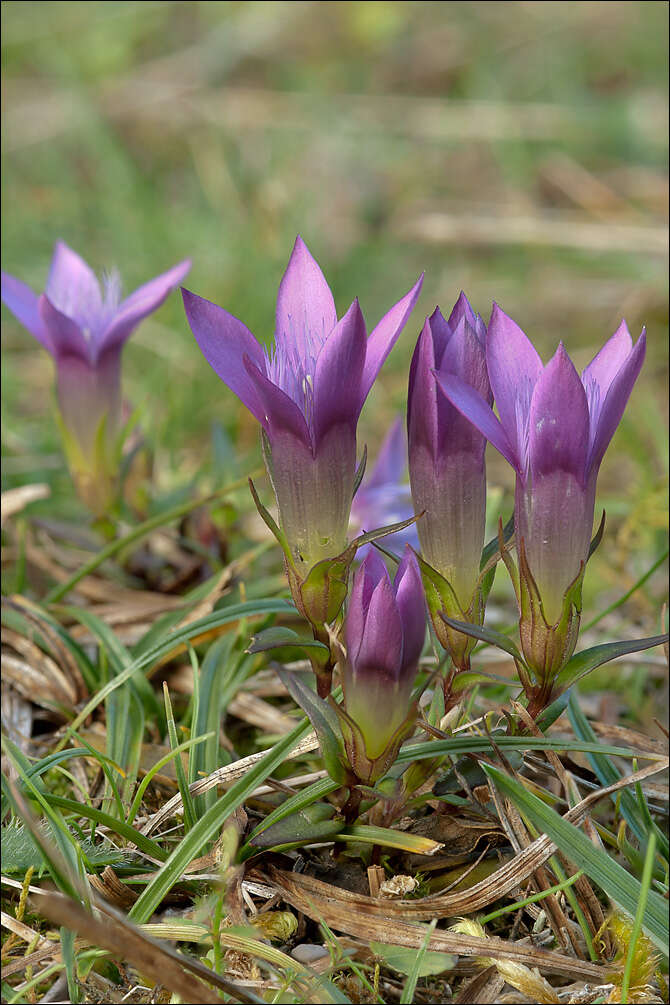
column 515, row 150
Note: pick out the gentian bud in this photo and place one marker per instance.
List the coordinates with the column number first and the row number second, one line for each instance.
column 84, row 328
column 554, row 428
column 384, row 633
column 307, row 392
column 447, row 471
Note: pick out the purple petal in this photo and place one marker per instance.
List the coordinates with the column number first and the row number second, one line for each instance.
column 465, row 358
column 224, row 341
column 140, row 303
column 471, row 404
column 305, row 306
column 615, row 402
column 66, row 336
column 278, row 412
column 411, row 604
column 23, row 304
column 337, row 377
column 73, row 288
column 422, row 404
column 366, row 577
column 602, row 370
column 383, row 337
column 391, row 460
column 381, row 645
column 462, row 310
column 514, row 368
column 559, row 421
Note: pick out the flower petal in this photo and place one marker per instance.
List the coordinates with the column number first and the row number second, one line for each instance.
column 615, row 401
column 140, row 303
column 422, row 403
column 384, row 336
column 463, row 310
column 277, row 411
column 305, row 306
column 412, row 607
column 514, row 368
column 366, row 577
column 73, row 288
column 559, row 421
column 224, row 341
column 602, row 370
column 337, row 377
column 67, row 338
column 23, row 304
column 381, row 645
column 471, row 404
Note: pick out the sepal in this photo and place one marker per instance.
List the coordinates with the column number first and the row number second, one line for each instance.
column 367, row 769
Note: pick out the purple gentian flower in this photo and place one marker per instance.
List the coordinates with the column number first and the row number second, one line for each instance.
column 84, row 328
column 383, row 497
column 446, row 461
column 307, row 392
column 384, row 633
column 554, row 429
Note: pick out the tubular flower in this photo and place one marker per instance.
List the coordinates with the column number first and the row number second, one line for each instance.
column 84, row 327
column 307, row 391
column 447, row 470
column 384, row 633
column 554, row 429
column 384, row 498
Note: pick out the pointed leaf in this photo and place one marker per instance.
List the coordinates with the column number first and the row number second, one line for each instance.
column 323, row 719
column 277, row 636
column 489, row 635
column 586, row 661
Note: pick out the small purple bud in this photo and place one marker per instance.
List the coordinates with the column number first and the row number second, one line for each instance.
column 84, row 326
column 384, row 635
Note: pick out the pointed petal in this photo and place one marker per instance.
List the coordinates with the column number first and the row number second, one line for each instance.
column 412, row 607
column 278, row 412
column 224, row 341
column 391, row 462
column 384, row 336
column 461, row 310
column 514, row 368
column 366, row 577
column 66, row 336
column 140, row 303
column 381, row 645
column 465, row 357
column 602, row 370
column 23, row 304
column 337, row 378
column 471, row 404
column 305, row 305
column 422, row 404
column 559, row 421
column 615, row 401
column 73, row 288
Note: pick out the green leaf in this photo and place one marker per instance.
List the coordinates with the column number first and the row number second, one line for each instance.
column 458, row 745
column 489, row 635
column 367, row 834
column 301, row 828
column 322, row 717
column 586, row 661
column 277, row 636
column 312, row 793
column 404, row 960
column 613, row 879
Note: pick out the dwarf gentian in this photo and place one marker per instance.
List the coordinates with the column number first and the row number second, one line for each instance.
column 554, row 428
column 84, row 328
column 307, row 391
column 383, row 497
column 447, row 470
column 384, row 632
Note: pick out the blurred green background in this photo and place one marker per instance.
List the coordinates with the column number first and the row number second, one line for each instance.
column 515, row 150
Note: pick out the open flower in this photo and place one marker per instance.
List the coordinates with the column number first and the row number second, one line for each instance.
column 384, row 497
column 84, row 327
column 554, row 429
column 307, row 392
column 384, row 633
column 447, row 468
